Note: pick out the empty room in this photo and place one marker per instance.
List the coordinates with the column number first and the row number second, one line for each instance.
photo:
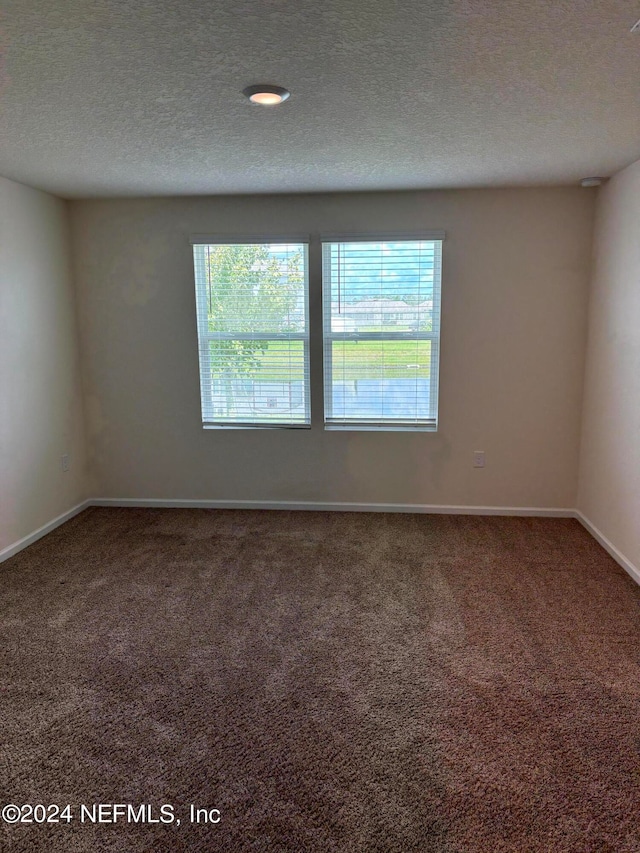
column 319, row 426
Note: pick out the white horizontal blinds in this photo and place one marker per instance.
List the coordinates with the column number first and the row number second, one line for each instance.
column 381, row 333
column 252, row 305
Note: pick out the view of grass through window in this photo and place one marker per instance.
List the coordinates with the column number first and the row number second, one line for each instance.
column 356, row 359
column 253, row 333
column 381, row 332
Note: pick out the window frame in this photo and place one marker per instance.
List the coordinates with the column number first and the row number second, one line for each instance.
column 203, row 333
column 329, row 336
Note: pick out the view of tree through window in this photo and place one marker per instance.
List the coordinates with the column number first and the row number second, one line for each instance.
column 253, row 333
column 381, row 304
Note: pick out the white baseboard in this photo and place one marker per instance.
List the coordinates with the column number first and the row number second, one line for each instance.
column 437, row 509
column 609, row 547
column 10, row 550
column 334, row 506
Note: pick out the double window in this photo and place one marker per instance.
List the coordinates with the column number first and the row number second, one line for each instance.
column 381, row 331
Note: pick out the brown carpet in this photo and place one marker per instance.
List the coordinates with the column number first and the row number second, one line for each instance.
column 329, row 682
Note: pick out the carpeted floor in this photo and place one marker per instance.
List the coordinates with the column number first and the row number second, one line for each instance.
column 328, row 682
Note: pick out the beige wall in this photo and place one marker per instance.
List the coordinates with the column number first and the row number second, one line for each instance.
column 41, row 416
column 515, row 283
column 609, row 492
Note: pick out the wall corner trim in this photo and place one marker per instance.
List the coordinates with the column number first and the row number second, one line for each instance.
column 10, row 550
column 609, row 547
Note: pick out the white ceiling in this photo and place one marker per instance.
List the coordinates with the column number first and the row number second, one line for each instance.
column 142, row 97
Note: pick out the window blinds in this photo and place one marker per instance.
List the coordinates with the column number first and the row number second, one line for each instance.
column 381, row 333
column 252, row 310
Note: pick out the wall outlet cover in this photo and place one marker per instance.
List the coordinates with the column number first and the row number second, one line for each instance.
column 478, row 458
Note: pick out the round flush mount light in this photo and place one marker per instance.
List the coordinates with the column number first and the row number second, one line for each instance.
column 266, row 96
column 591, row 182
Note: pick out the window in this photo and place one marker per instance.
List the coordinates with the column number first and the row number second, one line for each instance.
column 252, row 308
column 381, row 332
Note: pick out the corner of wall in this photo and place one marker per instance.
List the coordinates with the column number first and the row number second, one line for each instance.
column 608, row 497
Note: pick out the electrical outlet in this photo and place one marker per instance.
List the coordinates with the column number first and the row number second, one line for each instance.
column 64, row 460
column 478, row 458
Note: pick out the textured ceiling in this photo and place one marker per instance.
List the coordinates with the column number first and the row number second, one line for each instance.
column 141, row 97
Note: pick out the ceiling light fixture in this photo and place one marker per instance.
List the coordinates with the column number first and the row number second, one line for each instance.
column 591, row 182
column 266, row 96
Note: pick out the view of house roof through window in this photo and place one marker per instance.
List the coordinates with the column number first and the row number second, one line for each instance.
column 381, row 333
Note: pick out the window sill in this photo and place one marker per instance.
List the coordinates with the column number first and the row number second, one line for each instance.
column 381, row 428
column 256, row 426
